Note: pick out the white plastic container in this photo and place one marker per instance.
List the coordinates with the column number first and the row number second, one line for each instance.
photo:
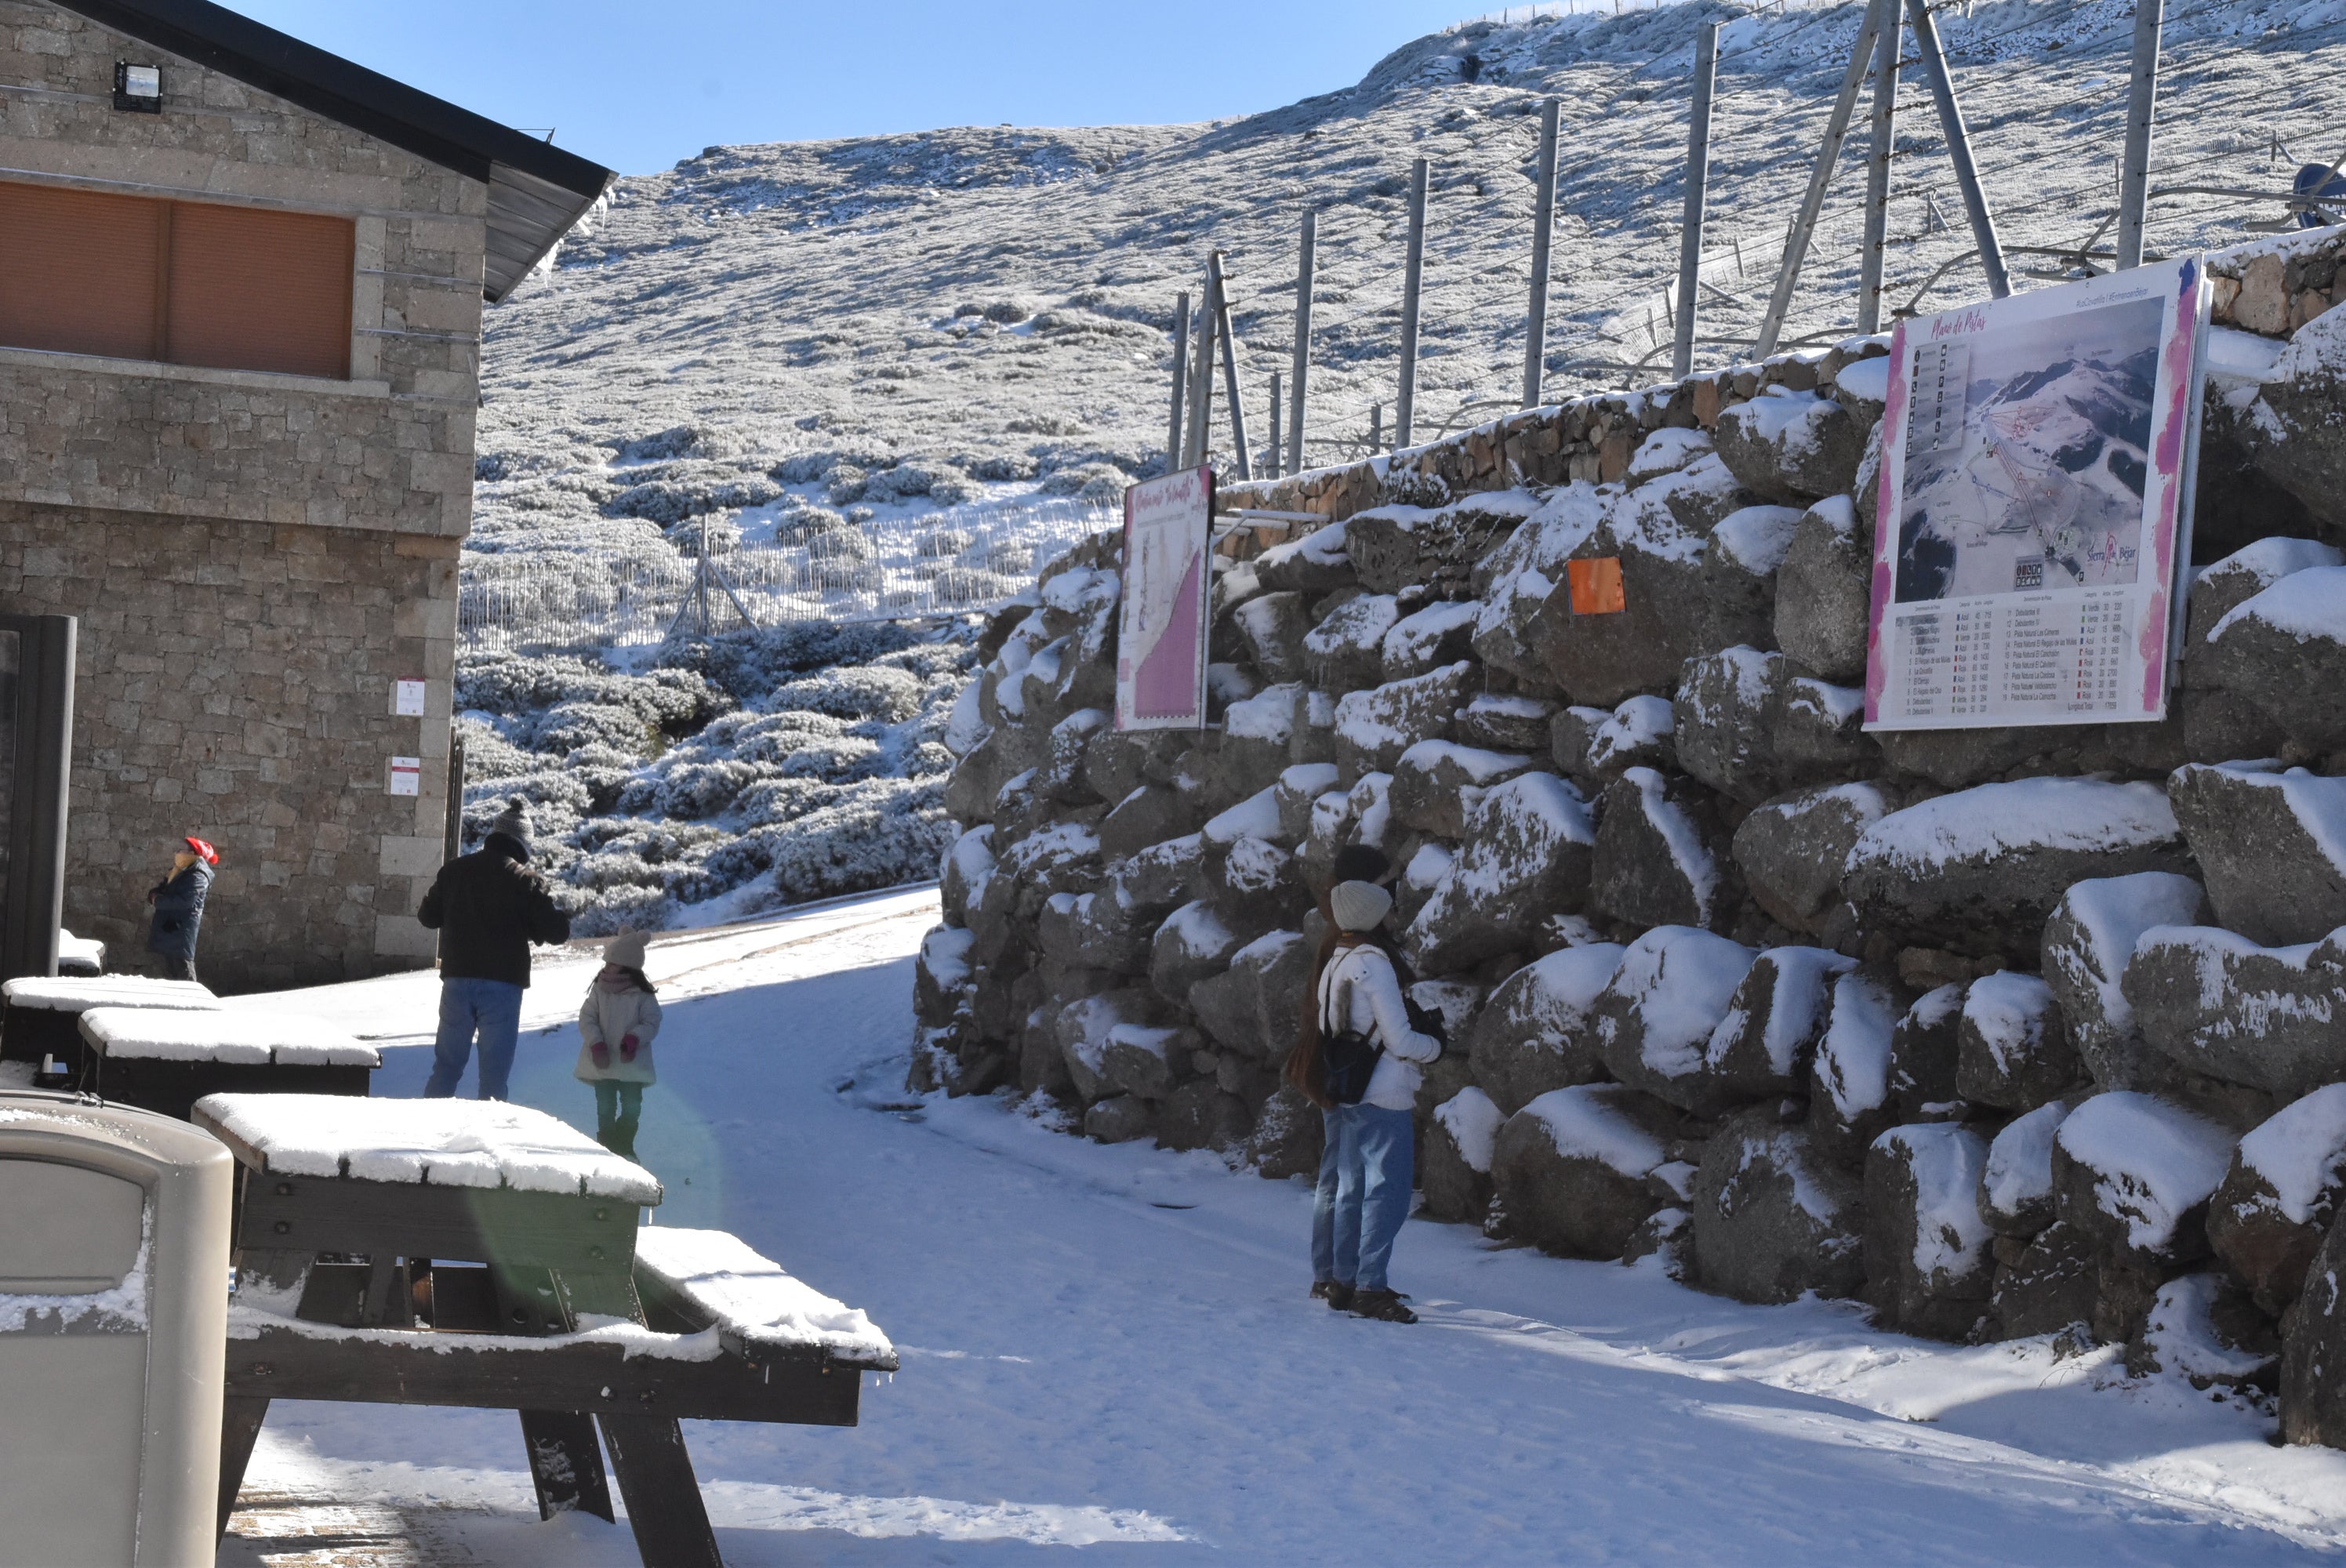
column 114, row 1269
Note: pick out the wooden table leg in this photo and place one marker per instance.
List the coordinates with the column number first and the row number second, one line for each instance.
column 239, row 1429
column 663, row 1498
column 566, row 1464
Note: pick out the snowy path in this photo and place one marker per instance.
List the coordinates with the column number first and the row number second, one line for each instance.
column 1110, row 1349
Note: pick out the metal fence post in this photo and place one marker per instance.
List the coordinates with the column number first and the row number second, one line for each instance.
column 2142, row 104
column 1698, row 176
column 1804, row 222
column 1219, row 281
column 1543, row 232
column 1201, row 376
column 1271, row 468
column 1959, row 147
column 1412, row 275
column 1306, row 260
column 1181, row 374
column 1877, row 176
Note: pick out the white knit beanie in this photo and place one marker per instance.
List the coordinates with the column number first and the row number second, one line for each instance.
column 1358, row 906
column 625, row 949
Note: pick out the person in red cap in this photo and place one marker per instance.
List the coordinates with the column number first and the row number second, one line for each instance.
column 179, row 900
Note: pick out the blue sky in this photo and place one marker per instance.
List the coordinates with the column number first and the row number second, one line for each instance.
column 639, row 83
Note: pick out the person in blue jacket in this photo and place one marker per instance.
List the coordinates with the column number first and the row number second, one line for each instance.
column 179, row 900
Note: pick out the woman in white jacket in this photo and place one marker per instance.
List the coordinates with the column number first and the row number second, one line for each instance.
column 615, row 1028
column 1371, row 1141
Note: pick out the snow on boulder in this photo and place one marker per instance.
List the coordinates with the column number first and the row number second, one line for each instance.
column 1658, row 533
column 1191, row 944
column 2268, row 1218
column 2012, row 1049
column 1598, row 745
column 1202, row 1114
column 2284, row 650
column 2212, row 1002
column 2240, row 576
column 962, row 874
column 1655, row 1018
column 1666, row 451
column 1516, row 580
column 1928, row 1270
column 2201, row 1328
column 1346, row 649
column 1155, row 881
column 1147, row 1061
column 1459, row 1145
column 942, row 975
column 1065, row 858
column 1823, row 591
column 1374, row 728
column 1791, row 851
column 2313, row 1358
column 1274, row 627
column 1398, row 547
column 1849, row 1079
column 1254, row 1004
column 1537, row 1032
column 1316, row 563
column 2089, row 940
column 2053, row 1287
column 1497, row 722
column 1658, row 856
column 1427, row 639
column 1791, row 445
column 2272, row 846
column 1925, row 1054
column 2133, row 1173
column 1082, row 1027
column 1765, row 1044
column 1119, row 1119
column 1773, row 1220
column 1980, row 869
column 1721, row 722
column 1526, row 855
column 1435, row 784
column 2015, row 1189
column 1570, row 1172
column 1738, row 576
column 1299, row 789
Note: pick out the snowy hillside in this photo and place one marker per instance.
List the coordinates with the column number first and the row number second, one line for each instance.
column 810, row 348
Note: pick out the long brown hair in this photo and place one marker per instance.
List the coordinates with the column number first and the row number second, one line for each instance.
column 1307, row 1063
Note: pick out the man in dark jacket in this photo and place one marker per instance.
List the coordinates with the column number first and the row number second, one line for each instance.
column 488, row 907
column 179, row 900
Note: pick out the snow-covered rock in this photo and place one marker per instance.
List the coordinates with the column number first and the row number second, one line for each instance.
column 2133, row 1173
column 2013, row 1047
column 1527, row 854
column 2200, row 1330
column 1537, row 1032
column 1374, row 728
column 1824, row 593
column 2278, row 1199
column 1435, row 784
column 1979, row 870
column 1927, row 1266
column 1792, row 850
column 1766, row 1044
column 1254, row 1006
column 2270, row 844
column 1190, row 945
column 2015, row 1188
column 1659, row 854
column 1849, row 1079
column 1772, row 1219
column 2214, row 1003
column 2089, row 941
column 1927, row 1057
column 1346, row 652
column 1571, row 1170
column 2284, row 650
column 1795, row 446
column 1597, row 745
column 1656, row 1016
column 1460, row 1144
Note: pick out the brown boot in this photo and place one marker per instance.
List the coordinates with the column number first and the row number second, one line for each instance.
column 1383, row 1306
column 1334, row 1292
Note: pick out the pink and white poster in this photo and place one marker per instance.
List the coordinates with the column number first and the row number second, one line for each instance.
column 1160, row 664
column 2037, row 457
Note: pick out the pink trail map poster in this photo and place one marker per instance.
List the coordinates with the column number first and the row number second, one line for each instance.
column 1160, row 667
column 2035, row 511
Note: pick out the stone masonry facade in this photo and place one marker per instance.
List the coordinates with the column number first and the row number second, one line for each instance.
column 256, row 558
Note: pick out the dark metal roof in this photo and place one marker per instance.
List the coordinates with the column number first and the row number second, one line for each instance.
column 536, row 190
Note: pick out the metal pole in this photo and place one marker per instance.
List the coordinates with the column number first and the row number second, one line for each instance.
column 1201, row 379
column 1222, row 291
column 1376, row 428
column 1877, row 176
column 1181, row 374
column 701, row 576
column 1413, row 274
column 1959, row 147
column 2142, row 103
column 1804, row 222
column 1543, row 230
column 1305, row 266
column 1698, row 177
column 1271, row 469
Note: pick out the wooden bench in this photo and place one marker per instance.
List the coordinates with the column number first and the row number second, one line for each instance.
column 164, row 1059
column 40, row 1018
column 466, row 1252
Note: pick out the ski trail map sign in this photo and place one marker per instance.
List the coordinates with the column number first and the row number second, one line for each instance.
column 2037, row 460
column 1160, row 663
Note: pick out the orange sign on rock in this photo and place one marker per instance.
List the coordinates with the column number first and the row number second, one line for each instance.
column 1597, row 587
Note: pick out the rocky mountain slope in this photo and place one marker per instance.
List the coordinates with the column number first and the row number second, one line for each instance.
column 798, row 341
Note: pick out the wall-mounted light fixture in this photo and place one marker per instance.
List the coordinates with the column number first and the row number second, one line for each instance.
column 139, row 89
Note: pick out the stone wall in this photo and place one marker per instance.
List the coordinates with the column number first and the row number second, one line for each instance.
column 2005, row 1032
column 256, row 558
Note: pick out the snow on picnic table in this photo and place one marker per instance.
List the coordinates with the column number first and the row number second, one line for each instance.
column 1110, row 1348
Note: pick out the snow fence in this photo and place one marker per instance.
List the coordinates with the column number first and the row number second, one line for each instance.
column 2007, row 1032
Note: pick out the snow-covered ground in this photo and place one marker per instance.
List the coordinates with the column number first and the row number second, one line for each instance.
column 1110, row 1349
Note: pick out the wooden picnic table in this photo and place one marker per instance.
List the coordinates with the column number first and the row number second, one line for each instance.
column 165, row 1060
column 468, row 1253
column 40, row 1017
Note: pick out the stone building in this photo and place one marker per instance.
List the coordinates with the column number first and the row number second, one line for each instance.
column 242, row 285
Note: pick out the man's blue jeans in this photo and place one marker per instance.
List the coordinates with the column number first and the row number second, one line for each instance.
column 1365, row 1173
column 489, row 1008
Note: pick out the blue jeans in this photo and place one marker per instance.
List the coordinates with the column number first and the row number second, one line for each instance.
column 490, row 1008
column 1365, row 1173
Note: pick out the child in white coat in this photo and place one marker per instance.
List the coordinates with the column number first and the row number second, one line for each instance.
column 615, row 1028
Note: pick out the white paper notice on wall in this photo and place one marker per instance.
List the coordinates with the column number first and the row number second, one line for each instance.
column 407, row 701
column 407, row 775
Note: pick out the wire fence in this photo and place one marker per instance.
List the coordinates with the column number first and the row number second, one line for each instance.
column 961, row 560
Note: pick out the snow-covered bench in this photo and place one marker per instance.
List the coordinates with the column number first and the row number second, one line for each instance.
column 39, row 1022
column 165, row 1060
column 79, row 955
column 577, row 1317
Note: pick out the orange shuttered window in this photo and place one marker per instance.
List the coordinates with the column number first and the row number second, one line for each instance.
column 192, row 283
